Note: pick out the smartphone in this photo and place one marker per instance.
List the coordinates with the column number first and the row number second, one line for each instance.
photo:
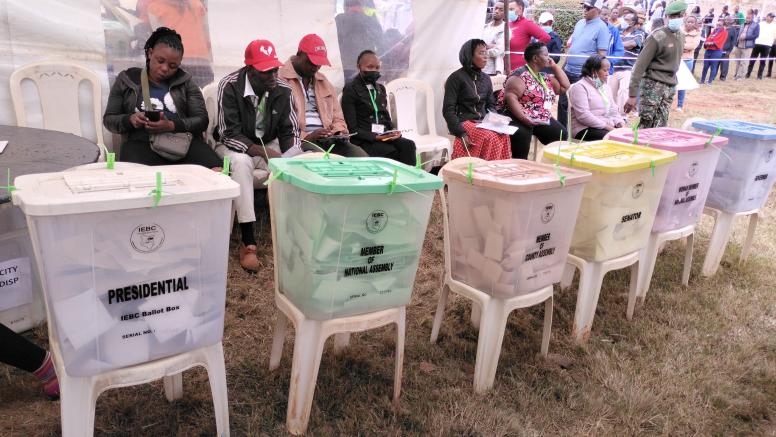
column 153, row 115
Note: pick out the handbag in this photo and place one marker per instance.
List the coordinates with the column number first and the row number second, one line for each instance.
column 172, row 146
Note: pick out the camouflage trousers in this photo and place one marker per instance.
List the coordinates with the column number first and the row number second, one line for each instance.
column 655, row 100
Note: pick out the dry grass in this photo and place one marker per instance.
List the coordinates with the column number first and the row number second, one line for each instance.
column 694, row 361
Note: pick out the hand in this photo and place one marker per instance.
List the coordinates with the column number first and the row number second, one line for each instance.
column 264, row 152
column 551, row 63
column 163, row 125
column 618, row 125
column 318, row 134
column 630, row 105
column 608, row 127
column 138, row 120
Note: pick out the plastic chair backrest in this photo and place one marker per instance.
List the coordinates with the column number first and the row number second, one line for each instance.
column 209, row 92
column 58, row 85
column 403, row 92
column 498, row 82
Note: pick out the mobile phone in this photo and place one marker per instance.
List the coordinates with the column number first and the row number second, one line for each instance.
column 153, row 115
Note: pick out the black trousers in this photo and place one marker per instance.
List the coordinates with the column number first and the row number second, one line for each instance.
column 591, row 134
column 521, row 140
column 400, row 149
column 17, row 351
column 759, row 51
column 771, row 55
column 139, row 151
column 563, row 100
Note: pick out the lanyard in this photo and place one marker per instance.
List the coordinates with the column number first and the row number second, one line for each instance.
column 538, row 77
column 604, row 97
column 374, row 104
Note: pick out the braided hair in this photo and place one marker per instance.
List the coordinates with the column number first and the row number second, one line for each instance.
column 166, row 36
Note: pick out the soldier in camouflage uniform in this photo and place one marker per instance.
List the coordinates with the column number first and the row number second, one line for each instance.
column 654, row 76
column 656, row 99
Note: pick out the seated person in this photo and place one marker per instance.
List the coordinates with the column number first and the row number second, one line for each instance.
column 528, row 97
column 172, row 91
column 593, row 112
column 468, row 98
column 365, row 105
column 19, row 352
column 254, row 110
column 318, row 112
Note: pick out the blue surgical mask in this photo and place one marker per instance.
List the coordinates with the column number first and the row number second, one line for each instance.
column 512, row 16
column 547, row 29
column 624, row 25
column 675, row 24
column 598, row 83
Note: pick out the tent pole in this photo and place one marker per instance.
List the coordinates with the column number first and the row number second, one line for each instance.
column 507, row 64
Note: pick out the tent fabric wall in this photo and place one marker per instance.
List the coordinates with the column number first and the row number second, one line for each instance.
column 73, row 31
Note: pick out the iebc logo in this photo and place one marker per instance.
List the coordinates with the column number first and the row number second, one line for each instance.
column 147, row 238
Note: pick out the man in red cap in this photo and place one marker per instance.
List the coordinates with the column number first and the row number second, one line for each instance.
column 256, row 121
column 319, row 112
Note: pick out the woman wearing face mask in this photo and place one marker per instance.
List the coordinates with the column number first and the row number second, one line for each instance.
column 468, row 99
column 178, row 105
column 521, row 31
column 365, row 107
column 692, row 38
column 593, row 112
column 714, row 44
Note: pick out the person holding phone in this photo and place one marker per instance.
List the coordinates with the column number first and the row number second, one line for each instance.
column 178, row 105
column 321, row 122
column 365, row 107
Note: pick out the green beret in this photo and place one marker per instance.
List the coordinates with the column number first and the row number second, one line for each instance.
column 676, row 7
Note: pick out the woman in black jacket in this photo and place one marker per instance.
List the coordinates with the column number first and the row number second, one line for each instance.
column 172, row 91
column 468, row 98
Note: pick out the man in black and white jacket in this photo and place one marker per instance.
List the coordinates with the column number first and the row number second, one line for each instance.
column 256, row 121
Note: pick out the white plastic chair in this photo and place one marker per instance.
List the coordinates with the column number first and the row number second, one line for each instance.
column 591, row 276
column 720, row 235
column 210, row 93
column 432, row 147
column 489, row 313
column 648, row 258
column 312, row 334
column 498, row 82
column 58, row 85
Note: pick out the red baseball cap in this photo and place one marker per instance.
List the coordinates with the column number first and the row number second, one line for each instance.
column 315, row 48
column 261, row 54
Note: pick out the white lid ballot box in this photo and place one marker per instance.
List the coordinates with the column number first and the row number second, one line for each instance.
column 132, row 260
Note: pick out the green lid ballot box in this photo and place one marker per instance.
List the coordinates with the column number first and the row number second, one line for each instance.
column 349, row 232
column 129, row 275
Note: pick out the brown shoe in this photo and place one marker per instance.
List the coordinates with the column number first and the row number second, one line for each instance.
column 248, row 259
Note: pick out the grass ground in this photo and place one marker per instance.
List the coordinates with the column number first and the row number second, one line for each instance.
column 697, row 360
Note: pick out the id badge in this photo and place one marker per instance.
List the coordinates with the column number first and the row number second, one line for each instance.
column 377, row 128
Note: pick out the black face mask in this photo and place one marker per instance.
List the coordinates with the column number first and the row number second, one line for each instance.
column 370, row 76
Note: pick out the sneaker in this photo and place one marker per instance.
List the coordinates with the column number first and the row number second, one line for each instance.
column 679, row 109
column 248, row 259
column 48, row 377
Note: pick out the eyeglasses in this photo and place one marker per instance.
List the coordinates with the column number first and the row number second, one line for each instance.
column 586, row 7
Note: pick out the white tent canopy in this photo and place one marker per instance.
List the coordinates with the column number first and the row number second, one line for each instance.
column 73, row 30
